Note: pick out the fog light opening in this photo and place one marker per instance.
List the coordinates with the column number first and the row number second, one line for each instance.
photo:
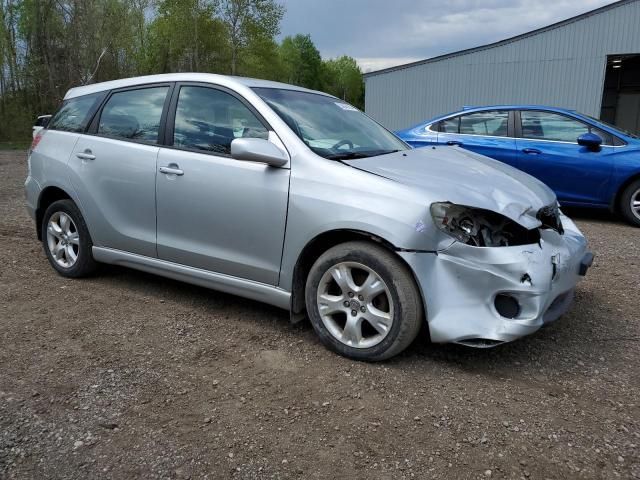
column 507, row 306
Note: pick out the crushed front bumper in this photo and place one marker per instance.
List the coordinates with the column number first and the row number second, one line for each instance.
column 461, row 283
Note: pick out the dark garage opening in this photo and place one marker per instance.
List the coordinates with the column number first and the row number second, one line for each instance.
column 621, row 95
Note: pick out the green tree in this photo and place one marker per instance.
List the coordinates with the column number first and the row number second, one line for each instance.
column 343, row 78
column 301, row 62
column 49, row 46
column 249, row 23
column 185, row 35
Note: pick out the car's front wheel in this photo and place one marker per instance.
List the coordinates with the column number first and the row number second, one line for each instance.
column 66, row 240
column 630, row 203
column 363, row 302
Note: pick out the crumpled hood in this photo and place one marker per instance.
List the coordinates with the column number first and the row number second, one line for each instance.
column 465, row 178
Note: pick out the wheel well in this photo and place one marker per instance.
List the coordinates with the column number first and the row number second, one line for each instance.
column 47, row 197
column 312, row 252
column 615, row 206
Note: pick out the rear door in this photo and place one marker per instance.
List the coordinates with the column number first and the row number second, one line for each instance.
column 214, row 212
column 113, row 169
column 487, row 132
column 548, row 149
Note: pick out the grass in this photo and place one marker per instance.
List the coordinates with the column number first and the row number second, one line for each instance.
column 15, row 145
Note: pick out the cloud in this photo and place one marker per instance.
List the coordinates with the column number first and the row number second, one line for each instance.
column 382, row 33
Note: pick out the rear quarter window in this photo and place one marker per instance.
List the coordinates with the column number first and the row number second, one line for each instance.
column 74, row 114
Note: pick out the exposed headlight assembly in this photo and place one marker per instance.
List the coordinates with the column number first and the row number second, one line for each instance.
column 479, row 227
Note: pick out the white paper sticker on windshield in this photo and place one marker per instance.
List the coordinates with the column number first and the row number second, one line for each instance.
column 346, row 106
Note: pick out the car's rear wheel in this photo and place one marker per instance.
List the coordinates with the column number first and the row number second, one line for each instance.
column 363, row 302
column 630, row 203
column 66, row 240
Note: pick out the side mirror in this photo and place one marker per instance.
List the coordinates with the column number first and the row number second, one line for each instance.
column 258, row 150
column 591, row 141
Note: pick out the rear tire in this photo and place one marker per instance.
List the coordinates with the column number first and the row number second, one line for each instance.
column 66, row 240
column 363, row 302
column 630, row 203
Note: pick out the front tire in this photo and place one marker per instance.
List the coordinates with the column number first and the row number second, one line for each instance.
column 630, row 203
column 66, row 240
column 363, row 302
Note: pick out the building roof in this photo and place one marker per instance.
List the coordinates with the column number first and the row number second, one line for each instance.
column 505, row 41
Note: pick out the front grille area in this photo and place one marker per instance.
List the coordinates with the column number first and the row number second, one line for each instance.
column 550, row 218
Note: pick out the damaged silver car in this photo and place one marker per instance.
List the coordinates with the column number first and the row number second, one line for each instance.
column 295, row 198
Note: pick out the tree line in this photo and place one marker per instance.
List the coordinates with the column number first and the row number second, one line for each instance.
column 49, row 46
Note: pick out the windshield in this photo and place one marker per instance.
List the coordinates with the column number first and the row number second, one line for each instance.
column 330, row 127
column 612, row 127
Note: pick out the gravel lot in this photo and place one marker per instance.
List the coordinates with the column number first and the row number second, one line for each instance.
column 127, row 375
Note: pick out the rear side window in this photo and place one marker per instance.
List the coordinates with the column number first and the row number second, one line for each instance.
column 450, row 125
column 75, row 113
column 208, row 120
column 134, row 114
column 493, row 123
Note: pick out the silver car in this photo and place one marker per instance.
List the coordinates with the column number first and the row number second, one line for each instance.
column 297, row 199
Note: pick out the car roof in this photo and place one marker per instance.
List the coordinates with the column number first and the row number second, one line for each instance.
column 469, row 109
column 574, row 113
column 223, row 80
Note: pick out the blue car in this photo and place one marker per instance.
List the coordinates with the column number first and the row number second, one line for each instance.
column 586, row 162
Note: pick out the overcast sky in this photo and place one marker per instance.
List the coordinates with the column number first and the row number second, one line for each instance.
column 384, row 33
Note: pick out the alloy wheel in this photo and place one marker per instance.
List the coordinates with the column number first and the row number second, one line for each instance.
column 355, row 305
column 635, row 203
column 63, row 239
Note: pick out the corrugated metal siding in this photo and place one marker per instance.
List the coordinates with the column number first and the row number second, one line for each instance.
column 563, row 67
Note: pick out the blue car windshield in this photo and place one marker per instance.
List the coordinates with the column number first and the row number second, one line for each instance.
column 330, row 127
column 612, row 127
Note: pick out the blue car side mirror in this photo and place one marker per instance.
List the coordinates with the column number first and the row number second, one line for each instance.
column 590, row 140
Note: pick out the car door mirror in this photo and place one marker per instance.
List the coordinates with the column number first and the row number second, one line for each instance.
column 591, row 141
column 258, row 150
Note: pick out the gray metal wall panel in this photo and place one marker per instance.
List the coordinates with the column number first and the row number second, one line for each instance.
column 563, row 67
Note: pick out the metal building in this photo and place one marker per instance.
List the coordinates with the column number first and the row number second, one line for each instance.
column 589, row 63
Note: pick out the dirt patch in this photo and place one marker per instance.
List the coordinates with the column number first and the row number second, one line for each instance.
column 127, row 375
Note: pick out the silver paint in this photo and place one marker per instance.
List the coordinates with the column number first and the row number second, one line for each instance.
column 240, row 226
column 236, row 286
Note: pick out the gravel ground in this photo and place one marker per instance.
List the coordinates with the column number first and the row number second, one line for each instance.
column 127, row 375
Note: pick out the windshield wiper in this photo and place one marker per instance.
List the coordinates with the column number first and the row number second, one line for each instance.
column 348, row 155
column 354, row 155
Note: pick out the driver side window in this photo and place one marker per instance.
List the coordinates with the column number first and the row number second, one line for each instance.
column 208, row 120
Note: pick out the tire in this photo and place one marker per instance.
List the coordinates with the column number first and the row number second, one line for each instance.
column 69, row 238
column 345, row 322
column 630, row 211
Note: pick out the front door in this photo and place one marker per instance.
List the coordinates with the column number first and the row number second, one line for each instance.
column 549, row 151
column 215, row 212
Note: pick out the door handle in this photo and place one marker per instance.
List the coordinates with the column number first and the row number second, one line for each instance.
column 86, row 155
column 454, row 142
column 531, row 151
column 171, row 170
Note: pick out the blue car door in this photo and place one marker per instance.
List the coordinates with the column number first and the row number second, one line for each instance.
column 486, row 132
column 548, row 150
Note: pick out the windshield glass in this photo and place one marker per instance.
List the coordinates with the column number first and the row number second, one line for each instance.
column 613, row 127
column 330, row 127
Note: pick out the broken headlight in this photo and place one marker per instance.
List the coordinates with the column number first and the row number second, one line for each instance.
column 480, row 228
